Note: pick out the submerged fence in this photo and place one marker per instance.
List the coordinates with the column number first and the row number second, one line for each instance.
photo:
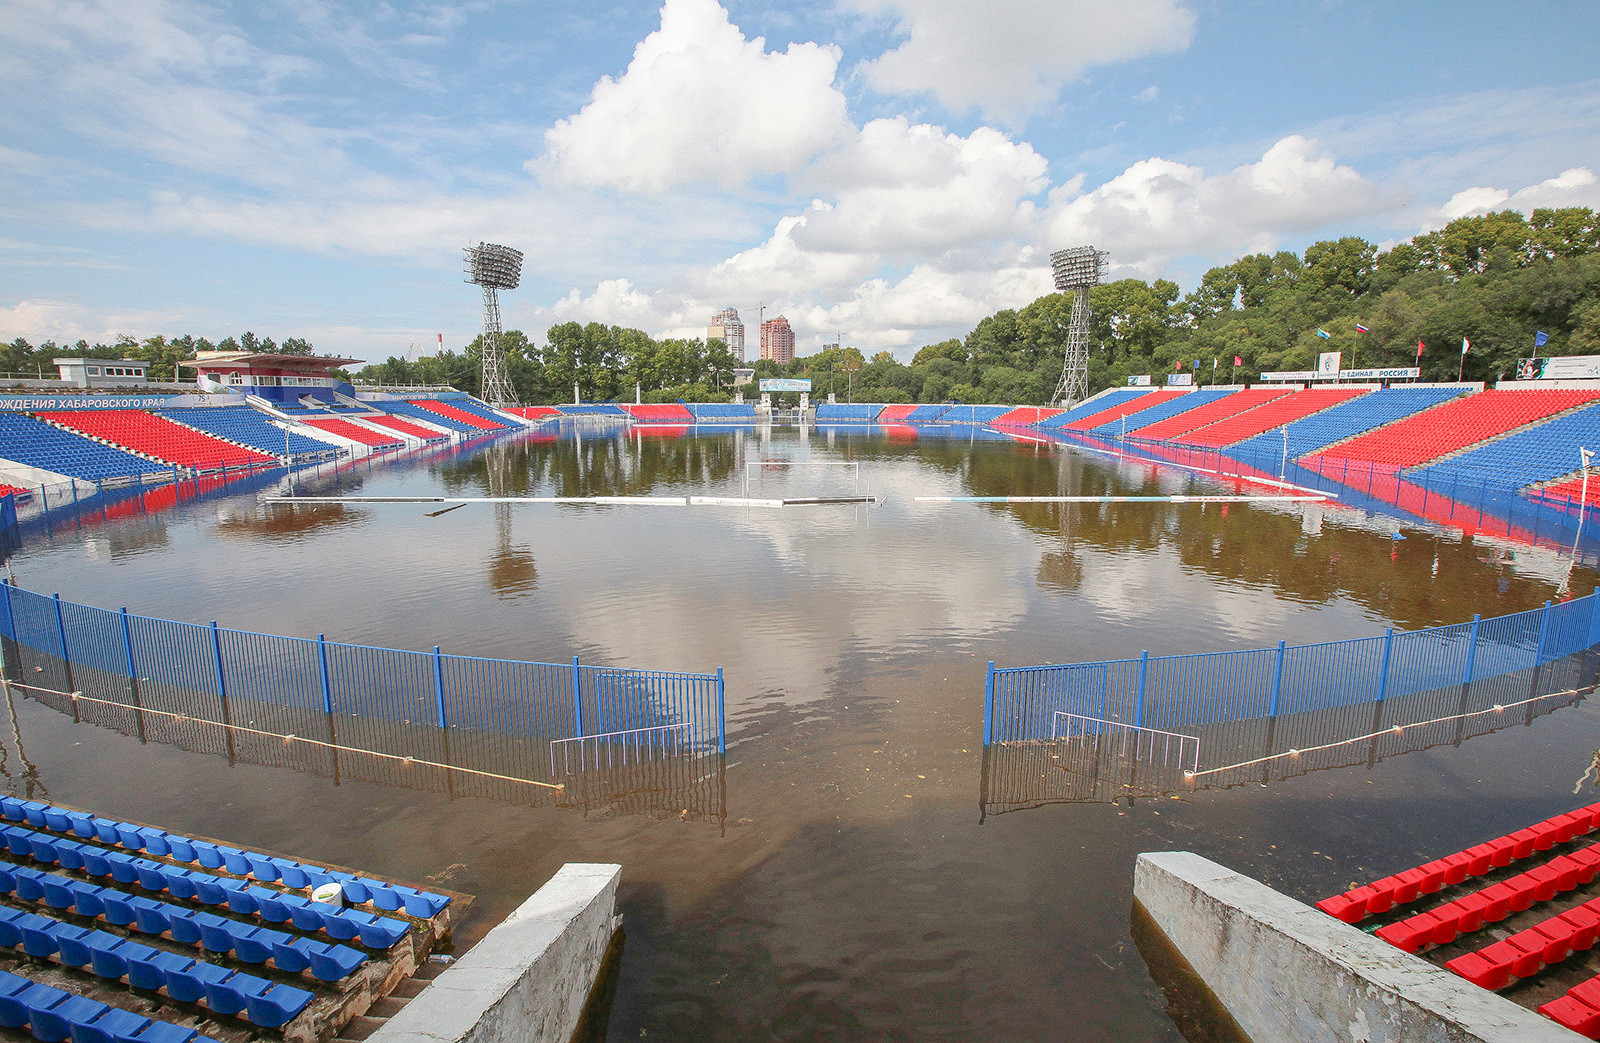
column 382, row 710
column 1190, row 691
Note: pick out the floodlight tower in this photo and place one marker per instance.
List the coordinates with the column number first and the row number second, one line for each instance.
column 494, row 268
column 1078, row 270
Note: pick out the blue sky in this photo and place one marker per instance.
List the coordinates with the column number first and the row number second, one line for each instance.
column 889, row 171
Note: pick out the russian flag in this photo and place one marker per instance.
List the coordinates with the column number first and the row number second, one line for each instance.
column 1360, row 328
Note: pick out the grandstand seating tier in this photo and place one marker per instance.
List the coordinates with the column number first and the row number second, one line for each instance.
column 861, row 412
column 1173, row 428
column 245, row 425
column 406, row 427
column 665, row 413
column 356, row 433
column 964, row 414
column 402, row 408
column 1272, row 415
column 1098, row 404
column 1350, row 418
column 456, row 412
column 1167, row 407
column 1130, row 408
column 1456, row 425
column 1540, row 453
column 38, row 444
column 722, row 411
column 472, row 407
column 1022, row 416
column 533, row 412
column 157, row 436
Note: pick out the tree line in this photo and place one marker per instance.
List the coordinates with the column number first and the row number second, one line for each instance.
column 1495, row 280
column 21, row 359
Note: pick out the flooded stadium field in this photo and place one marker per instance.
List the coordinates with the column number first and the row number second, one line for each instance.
column 851, row 871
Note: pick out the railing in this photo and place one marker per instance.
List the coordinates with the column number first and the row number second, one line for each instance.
column 382, row 709
column 1168, row 692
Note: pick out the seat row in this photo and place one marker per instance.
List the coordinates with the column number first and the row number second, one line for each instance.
column 361, row 890
column 1528, row 951
column 54, row 1015
column 1380, row 896
column 261, row 1001
column 247, row 942
column 376, row 932
column 1442, row 925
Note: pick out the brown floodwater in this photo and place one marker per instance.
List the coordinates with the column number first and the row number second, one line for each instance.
column 840, row 875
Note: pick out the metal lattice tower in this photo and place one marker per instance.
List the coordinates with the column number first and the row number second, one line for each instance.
column 1078, row 270
column 494, row 268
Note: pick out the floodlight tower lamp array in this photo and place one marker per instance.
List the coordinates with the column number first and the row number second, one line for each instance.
column 1076, row 270
column 494, row 268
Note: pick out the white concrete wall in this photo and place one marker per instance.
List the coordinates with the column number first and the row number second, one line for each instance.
column 528, row 979
column 1288, row 972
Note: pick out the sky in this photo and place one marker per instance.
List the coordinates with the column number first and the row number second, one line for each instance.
column 881, row 172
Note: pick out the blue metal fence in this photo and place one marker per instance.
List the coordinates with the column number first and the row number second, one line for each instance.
column 139, row 667
column 1186, row 691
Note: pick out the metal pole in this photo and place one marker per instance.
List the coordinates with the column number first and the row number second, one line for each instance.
column 1277, row 683
column 222, row 688
column 722, row 720
column 577, row 700
column 133, row 672
column 327, row 702
column 988, row 705
column 66, row 660
column 1138, row 707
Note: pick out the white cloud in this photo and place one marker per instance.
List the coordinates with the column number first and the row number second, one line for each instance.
column 700, row 103
column 1575, row 187
column 1008, row 58
column 915, row 189
column 1158, row 210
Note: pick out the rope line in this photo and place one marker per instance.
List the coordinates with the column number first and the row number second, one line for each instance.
column 407, row 761
column 1397, row 729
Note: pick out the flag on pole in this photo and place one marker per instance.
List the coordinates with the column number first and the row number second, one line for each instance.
column 1419, row 349
column 1197, row 365
column 1465, row 344
column 1324, row 334
column 1177, row 365
column 1539, row 338
column 1213, row 363
column 1360, row 328
column 1237, row 361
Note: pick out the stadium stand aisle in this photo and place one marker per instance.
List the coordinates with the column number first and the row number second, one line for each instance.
column 1093, row 407
column 1272, row 415
column 345, row 429
column 464, row 416
column 244, row 425
column 1455, row 425
column 1130, row 408
column 1538, row 454
column 1348, row 419
column 1162, row 410
column 1174, row 427
column 157, row 436
column 35, row 443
